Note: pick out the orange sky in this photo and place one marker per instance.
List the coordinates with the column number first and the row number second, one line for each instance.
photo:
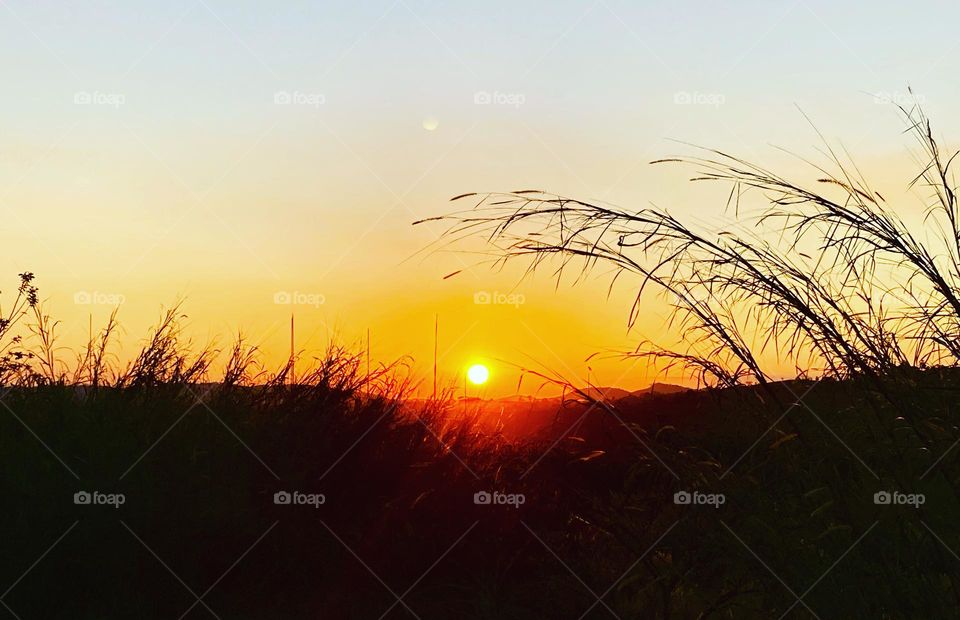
column 234, row 157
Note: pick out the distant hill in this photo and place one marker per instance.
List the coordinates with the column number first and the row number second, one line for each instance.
column 607, row 393
column 614, row 393
column 660, row 388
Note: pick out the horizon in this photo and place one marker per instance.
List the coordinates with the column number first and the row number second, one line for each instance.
column 411, row 309
column 233, row 156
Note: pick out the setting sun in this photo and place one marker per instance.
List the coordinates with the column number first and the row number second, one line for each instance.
column 478, row 374
column 672, row 335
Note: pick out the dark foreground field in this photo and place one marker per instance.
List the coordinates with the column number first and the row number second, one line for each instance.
column 145, row 491
column 797, row 531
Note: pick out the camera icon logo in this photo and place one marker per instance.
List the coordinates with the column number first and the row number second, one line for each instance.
column 682, row 98
column 882, row 498
column 482, row 498
column 282, row 298
column 282, row 498
column 482, row 298
column 82, row 298
column 282, row 97
column 682, row 498
column 482, row 97
column 82, row 498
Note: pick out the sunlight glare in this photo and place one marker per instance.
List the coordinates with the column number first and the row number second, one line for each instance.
column 478, row 374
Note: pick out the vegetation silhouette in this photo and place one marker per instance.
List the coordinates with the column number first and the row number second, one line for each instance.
column 810, row 469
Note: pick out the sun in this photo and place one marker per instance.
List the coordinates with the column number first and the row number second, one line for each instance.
column 478, row 374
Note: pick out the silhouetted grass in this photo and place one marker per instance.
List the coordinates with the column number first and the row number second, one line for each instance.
column 834, row 281
column 860, row 303
column 198, row 461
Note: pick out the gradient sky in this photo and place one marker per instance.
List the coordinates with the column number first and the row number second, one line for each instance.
column 147, row 153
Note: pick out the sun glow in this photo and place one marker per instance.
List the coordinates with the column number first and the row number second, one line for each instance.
column 478, row 374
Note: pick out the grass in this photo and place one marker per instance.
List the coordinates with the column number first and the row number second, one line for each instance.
column 863, row 305
column 399, row 498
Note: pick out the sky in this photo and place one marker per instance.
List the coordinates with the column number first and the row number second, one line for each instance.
column 262, row 159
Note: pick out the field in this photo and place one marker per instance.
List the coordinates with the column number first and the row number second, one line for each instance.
column 155, row 489
column 598, row 532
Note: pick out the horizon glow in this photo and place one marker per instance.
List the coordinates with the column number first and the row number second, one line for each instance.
column 260, row 162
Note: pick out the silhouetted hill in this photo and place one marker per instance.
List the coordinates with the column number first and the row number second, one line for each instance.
column 660, row 388
column 605, row 393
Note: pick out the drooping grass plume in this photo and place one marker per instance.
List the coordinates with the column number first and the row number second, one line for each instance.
column 850, row 291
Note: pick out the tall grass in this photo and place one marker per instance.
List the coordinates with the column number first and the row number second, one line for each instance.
column 829, row 277
column 199, row 455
